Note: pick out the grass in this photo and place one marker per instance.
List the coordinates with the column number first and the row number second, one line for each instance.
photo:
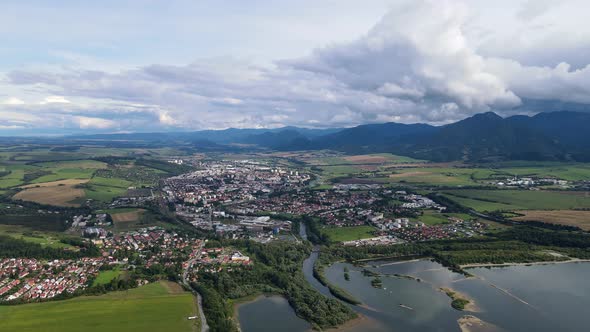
column 13, row 179
column 105, row 189
column 490, row 200
column 47, row 222
column 105, row 277
column 43, row 238
column 565, row 171
column 152, row 308
column 340, row 234
column 65, row 174
column 431, row 217
column 447, row 176
column 117, row 210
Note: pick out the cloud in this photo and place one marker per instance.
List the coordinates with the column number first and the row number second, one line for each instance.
column 55, row 100
column 532, row 9
column 417, row 64
column 94, row 123
column 418, row 50
column 13, row 101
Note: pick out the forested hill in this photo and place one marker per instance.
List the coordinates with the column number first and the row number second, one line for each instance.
column 482, row 137
column 486, row 136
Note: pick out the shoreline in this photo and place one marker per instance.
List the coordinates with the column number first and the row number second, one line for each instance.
column 575, row 260
column 470, row 323
column 236, row 304
column 469, row 307
column 355, row 322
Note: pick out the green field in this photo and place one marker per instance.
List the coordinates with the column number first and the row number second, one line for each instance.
column 431, row 217
column 105, row 277
column 157, row 307
column 565, row 171
column 105, row 189
column 490, row 200
column 48, row 239
column 339, row 234
column 13, row 179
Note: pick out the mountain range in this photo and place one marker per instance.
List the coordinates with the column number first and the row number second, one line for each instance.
column 483, row 137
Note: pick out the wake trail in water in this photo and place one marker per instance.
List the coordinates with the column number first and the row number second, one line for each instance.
column 507, row 292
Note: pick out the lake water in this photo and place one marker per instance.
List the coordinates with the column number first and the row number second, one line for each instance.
column 270, row 314
column 553, row 297
column 515, row 298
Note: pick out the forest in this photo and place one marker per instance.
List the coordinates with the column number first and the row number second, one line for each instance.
column 276, row 269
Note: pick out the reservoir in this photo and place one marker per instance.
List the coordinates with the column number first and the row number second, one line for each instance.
column 553, row 297
column 270, row 314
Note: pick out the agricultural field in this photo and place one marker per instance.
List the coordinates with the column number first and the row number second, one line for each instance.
column 339, row 234
column 575, row 218
column 43, row 222
column 13, row 178
column 565, row 171
column 58, row 193
column 382, row 159
column 440, row 176
column 491, row 200
column 157, row 307
column 127, row 220
column 105, row 189
column 126, row 215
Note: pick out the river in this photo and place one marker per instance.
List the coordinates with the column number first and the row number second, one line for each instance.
column 553, row 297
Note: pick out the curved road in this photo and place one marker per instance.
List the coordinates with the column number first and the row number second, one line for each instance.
column 204, row 326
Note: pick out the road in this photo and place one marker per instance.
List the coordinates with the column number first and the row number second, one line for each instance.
column 204, row 326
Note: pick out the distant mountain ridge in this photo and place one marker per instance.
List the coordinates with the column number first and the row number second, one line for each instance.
column 483, row 137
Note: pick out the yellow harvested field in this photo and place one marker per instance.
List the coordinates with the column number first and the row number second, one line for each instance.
column 58, row 195
column 561, row 217
column 68, row 182
column 127, row 216
column 367, row 159
column 409, row 174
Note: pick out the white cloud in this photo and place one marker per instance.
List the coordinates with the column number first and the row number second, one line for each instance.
column 419, row 63
column 13, row 101
column 94, row 123
column 54, row 100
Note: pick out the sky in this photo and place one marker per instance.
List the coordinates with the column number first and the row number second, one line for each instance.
column 70, row 67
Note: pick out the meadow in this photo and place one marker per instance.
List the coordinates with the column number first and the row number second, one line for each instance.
column 157, row 307
column 431, row 217
column 48, row 239
column 339, row 234
column 490, row 200
column 105, row 277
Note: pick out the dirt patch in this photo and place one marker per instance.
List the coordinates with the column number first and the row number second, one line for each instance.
column 172, row 287
column 68, row 182
column 369, row 168
column 408, row 174
column 561, row 217
column 575, row 193
column 58, row 195
column 127, row 216
column 367, row 159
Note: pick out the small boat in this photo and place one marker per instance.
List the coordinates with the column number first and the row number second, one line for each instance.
column 406, row 307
